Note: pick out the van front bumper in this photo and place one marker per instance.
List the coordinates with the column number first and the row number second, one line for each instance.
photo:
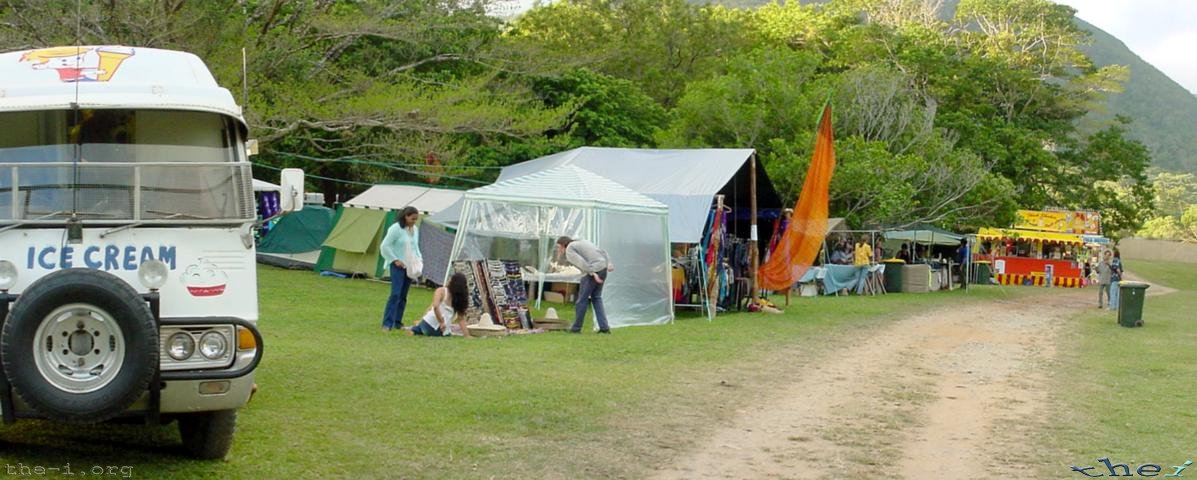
column 170, row 392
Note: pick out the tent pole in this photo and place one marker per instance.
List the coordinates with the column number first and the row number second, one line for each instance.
column 752, row 239
column 458, row 238
column 542, row 250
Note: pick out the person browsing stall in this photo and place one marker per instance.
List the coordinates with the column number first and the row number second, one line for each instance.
column 963, row 259
column 401, row 246
column 448, row 309
column 862, row 260
column 594, row 264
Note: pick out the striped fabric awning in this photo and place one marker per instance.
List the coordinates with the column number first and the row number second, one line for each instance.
column 1015, row 234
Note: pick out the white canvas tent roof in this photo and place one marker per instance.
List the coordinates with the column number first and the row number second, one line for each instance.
column 568, row 186
column 395, row 197
column 685, row 180
column 837, row 224
column 924, row 234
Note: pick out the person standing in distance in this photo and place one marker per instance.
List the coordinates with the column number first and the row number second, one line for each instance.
column 1103, row 279
column 400, row 245
column 862, row 259
column 1115, row 279
column 594, row 264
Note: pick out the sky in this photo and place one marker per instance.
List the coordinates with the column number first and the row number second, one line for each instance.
column 1161, row 32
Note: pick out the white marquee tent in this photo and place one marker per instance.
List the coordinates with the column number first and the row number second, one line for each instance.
column 686, row 180
column 520, row 219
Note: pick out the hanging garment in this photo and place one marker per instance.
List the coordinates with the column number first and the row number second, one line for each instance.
column 800, row 243
column 679, row 283
column 724, row 285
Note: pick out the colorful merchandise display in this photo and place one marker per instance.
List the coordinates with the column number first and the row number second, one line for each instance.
column 496, row 288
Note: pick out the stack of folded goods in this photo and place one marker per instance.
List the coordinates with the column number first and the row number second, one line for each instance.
column 550, row 321
column 917, row 279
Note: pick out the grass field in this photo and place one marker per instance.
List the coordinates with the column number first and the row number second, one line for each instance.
column 339, row 398
column 1129, row 394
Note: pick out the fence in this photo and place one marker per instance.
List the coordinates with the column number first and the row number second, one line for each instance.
column 1162, row 250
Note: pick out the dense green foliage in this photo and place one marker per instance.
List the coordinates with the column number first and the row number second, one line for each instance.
column 955, row 121
column 1163, row 111
column 1176, row 207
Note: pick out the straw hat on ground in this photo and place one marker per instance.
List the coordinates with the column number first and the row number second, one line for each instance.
column 486, row 326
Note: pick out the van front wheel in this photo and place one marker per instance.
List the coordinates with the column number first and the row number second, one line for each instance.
column 80, row 346
column 208, row 435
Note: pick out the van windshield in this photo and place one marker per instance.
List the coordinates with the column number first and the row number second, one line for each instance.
column 114, row 165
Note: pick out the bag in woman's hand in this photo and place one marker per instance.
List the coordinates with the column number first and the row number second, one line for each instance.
column 415, row 266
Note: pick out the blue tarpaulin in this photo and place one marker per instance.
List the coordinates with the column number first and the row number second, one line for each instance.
column 836, row 277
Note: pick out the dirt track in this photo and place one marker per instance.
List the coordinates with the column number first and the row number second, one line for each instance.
column 945, row 394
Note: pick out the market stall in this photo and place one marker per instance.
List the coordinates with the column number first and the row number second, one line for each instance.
column 690, row 182
column 1030, row 257
column 1048, row 247
column 507, row 230
column 932, row 254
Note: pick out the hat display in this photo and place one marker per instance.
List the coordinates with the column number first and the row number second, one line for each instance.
column 486, row 326
column 551, row 321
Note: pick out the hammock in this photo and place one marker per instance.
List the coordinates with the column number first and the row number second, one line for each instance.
column 800, row 243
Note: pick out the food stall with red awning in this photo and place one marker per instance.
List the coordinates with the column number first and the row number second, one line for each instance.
column 1030, row 257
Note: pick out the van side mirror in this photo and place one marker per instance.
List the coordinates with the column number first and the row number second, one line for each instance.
column 291, row 194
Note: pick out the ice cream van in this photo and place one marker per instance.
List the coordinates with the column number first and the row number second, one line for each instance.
column 127, row 278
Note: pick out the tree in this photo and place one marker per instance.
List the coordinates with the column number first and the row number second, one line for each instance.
column 1035, row 34
column 1108, row 171
column 1188, row 224
column 659, row 45
column 1174, row 192
column 409, row 86
column 607, row 111
column 893, row 169
column 1166, row 227
column 1176, row 208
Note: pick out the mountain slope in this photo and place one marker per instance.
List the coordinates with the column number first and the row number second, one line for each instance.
column 1164, row 113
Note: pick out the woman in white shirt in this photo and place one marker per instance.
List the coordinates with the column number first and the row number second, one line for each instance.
column 449, row 305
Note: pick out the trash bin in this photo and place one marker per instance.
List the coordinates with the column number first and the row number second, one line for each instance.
column 893, row 275
column 982, row 273
column 1130, row 303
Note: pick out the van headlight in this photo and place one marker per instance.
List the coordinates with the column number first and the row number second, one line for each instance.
column 8, row 275
column 152, row 274
column 180, row 346
column 213, row 345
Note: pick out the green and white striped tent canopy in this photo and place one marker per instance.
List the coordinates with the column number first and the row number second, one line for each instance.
column 568, row 185
column 522, row 217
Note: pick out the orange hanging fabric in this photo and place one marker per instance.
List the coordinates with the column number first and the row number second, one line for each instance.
column 808, row 227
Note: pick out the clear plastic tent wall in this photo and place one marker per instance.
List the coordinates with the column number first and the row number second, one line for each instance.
column 521, row 219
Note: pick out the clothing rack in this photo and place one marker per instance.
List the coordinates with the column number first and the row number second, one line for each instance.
column 694, row 280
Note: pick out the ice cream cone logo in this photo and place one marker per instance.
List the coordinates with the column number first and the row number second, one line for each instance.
column 79, row 64
column 110, row 60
